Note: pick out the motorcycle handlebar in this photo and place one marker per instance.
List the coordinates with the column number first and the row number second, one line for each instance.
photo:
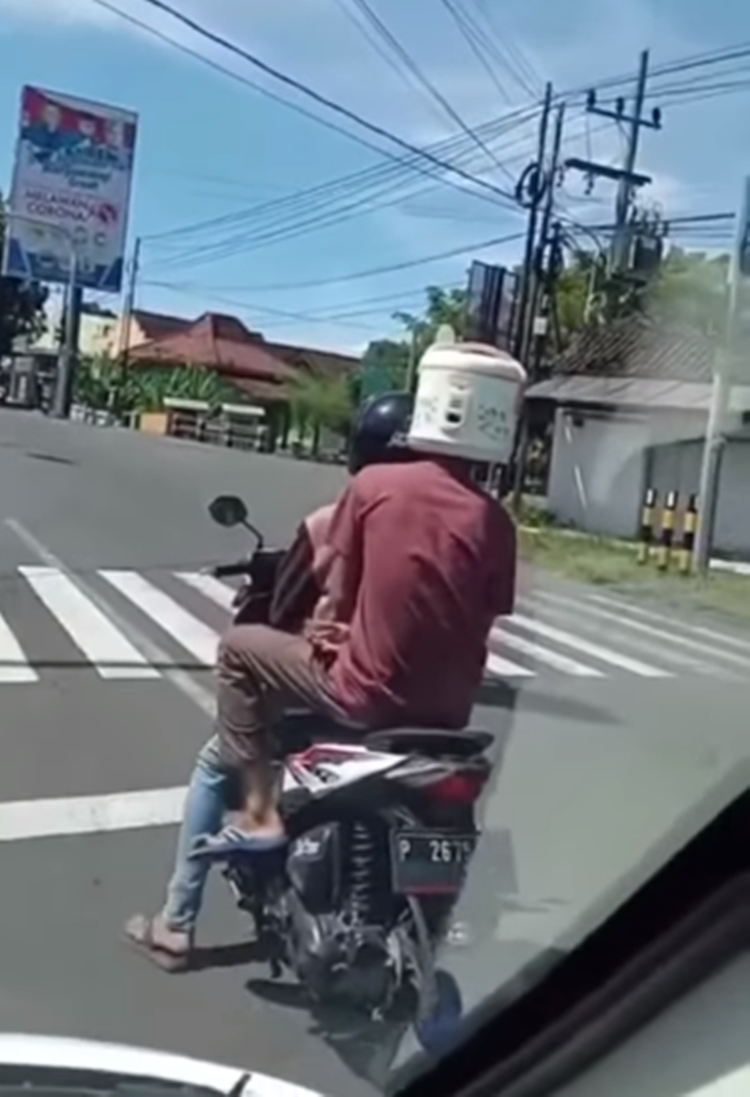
column 228, row 571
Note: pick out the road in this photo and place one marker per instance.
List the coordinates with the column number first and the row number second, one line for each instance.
column 620, row 719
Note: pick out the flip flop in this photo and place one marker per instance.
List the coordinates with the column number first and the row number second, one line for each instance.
column 231, row 841
column 139, row 935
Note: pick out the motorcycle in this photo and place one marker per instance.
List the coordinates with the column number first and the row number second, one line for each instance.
column 381, row 833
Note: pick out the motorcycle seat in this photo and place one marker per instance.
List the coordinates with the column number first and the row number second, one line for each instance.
column 301, row 729
column 430, row 740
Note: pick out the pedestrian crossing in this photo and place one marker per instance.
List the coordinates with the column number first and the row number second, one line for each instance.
column 588, row 636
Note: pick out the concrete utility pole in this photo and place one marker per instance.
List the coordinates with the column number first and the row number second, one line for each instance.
column 69, row 352
column 127, row 316
column 537, row 272
column 726, row 357
column 126, row 320
column 530, row 192
column 533, row 277
column 627, row 178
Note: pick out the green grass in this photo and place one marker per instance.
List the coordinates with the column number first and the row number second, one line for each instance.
column 603, row 561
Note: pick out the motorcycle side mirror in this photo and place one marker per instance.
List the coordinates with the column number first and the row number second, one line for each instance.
column 228, row 511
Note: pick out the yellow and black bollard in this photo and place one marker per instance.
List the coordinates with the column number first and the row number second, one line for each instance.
column 647, row 526
column 689, row 526
column 666, row 535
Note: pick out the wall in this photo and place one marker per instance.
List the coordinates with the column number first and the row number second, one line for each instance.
column 601, row 468
column 598, row 472
column 732, row 530
column 95, row 334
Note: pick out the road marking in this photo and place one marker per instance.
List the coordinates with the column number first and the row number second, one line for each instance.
column 201, row 697
column 648, row 630
column 596, row 651
column 92, row 632
column 55, row 818
column 675, row 622
column 502, row 668
column 14, row 664
column 191, row 633
column 653, row 649
column 209, row 587
column 553, row 659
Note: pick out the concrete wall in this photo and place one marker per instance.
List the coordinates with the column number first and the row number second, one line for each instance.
column 601, row 467
column 598, row 472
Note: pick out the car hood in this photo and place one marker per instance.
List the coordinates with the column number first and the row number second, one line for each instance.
column 62, row 1053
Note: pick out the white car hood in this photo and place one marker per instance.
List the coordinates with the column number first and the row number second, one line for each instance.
column 19, row 1049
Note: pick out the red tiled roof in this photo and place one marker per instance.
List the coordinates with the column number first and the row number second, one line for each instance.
column 157, row 325
column 218, row 342
column 321, row 363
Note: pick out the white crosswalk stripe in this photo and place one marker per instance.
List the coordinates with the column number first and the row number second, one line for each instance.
column 591, row 637
column 213, row 589
column 105, row 647
column 195, row 636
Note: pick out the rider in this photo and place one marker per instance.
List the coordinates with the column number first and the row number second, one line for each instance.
column 167, row 937
column 420, row 562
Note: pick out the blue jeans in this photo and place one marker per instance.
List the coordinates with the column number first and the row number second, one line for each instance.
column 203, row 814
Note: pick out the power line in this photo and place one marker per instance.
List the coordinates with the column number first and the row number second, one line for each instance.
column 355, row 182
column 373, row 272
column 392, row 41
column 312, row 217
column 413, row 165
column 323, row 100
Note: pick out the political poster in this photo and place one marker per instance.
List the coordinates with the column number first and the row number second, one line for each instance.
column 70, row 192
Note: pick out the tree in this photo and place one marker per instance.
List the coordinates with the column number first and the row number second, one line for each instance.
column 21, row 304
column 690, row 288
column 145, row 388
column 384, row 364
column 321, row 404
column 444, row 306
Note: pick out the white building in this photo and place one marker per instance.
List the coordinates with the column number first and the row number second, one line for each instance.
column 630, row 407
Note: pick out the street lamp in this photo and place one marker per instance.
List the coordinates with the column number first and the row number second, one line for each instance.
column 68, row 351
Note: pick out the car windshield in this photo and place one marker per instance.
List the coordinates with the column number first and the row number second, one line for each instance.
column 413, row 633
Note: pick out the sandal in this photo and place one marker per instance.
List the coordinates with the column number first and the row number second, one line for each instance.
column 139, row 934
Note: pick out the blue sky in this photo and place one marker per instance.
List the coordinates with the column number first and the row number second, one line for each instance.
column 211, row 147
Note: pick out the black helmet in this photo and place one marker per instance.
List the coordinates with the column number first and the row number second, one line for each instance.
column 379, row 432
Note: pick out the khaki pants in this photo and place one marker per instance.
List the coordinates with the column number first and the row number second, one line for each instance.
column 261, row 673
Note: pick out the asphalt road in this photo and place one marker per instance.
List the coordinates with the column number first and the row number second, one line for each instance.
column 613, row 736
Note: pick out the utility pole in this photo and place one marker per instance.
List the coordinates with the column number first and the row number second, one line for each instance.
column 627, row 178
column 537, row 272
column 411, row 370
column 68, row 360
column 123, row 350
column 726, row 357
column 530, row 192
column 127, row 315
column 533, row 278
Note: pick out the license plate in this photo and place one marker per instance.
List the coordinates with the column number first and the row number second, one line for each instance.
column 429, row 863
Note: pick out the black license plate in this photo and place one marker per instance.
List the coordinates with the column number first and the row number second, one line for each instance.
column 429, row 863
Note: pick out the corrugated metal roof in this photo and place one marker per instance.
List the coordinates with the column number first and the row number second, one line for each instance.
column 637, row 346
column 632, row 392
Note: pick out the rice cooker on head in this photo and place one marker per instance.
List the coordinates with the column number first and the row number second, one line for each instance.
column 468, row 400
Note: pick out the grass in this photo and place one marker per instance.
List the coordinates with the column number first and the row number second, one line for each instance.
column 603, row 561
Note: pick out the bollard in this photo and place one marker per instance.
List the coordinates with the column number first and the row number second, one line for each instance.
column 689, row 526
column 666, row 536
column 647, row 526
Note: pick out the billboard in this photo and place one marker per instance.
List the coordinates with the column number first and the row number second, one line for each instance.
column 491, row 298
column 70, row 191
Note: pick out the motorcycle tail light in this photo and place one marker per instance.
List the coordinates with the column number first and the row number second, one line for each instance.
column 458, row 788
